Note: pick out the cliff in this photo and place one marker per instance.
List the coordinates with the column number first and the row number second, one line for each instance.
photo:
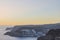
column 31, row 30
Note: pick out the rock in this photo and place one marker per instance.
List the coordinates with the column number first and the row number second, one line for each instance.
column 47, row 37
column 37, row 30
column 41, row 38
column 53, row 34
column 7, row 33
column 13, row 34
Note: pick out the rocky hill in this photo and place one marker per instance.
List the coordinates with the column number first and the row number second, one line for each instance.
column 32, row 30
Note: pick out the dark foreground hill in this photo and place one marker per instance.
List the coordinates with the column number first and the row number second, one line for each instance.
column 53, row 34
column 31, row 30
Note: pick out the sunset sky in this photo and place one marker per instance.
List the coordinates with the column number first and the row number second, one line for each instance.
column 20, row 12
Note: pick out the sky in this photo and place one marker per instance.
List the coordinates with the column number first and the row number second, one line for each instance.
column 21, row 12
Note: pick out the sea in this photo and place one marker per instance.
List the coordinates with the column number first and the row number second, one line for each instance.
column 6, row 37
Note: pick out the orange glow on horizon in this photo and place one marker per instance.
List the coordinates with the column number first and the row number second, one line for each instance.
column 27, row 22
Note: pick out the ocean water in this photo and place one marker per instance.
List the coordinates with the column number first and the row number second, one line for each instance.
column 6, row 37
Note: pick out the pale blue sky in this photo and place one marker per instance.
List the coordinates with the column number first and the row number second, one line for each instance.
column 30, row 9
